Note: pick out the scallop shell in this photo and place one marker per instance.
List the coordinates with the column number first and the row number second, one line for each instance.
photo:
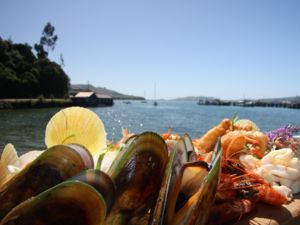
column 29, row 157
column 9, row 157
column 77, row 125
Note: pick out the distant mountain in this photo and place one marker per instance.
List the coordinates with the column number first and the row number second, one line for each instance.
column 101, row 90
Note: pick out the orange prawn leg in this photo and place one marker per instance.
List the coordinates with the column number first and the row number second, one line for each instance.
column 251, row 140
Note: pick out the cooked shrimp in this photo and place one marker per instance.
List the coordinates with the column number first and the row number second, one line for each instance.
column 262, row 141
column 236, row 141
column 236, row 145
column 207, row 142
column 269, row 195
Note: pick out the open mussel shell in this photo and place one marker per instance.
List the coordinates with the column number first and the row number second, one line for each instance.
column 137, row 173
column 177, row 158
column 101, row 182
column 197, row 208
column 53, row 166
column 68, row 203
column 188, row 188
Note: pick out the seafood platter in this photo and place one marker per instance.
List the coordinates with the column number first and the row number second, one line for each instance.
column 233, row 174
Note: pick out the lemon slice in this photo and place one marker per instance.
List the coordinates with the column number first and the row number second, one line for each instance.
column 247, row 123
column 77, row 125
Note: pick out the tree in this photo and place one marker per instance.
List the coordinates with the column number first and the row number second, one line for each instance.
column 41, row 53
column 62, row 61
column 52, row 79
column 22, row 75
column 48, row 41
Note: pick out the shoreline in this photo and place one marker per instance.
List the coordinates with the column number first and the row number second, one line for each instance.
column 11, row 104
column 34, row 103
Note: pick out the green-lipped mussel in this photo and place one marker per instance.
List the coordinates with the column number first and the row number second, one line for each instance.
column 188, row 188
column 55, row 165
column 146, row 184
column 101, row 182
column 137, row 173
column 68, row 203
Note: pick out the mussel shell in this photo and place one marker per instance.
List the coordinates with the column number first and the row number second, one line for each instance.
column 191, row 154
column 137, row 172
column 55, row 165
column 177, row 158
column 68, row 203
column 210, row 187
column 174, row 207
column 101, row 182
column 197, row 208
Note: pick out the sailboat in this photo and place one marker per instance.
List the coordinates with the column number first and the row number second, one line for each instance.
column 155, row 103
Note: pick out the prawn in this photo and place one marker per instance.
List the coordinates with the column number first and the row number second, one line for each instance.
column 207, row 142
column 269, row 195
column 235, row 142
column 237, row 181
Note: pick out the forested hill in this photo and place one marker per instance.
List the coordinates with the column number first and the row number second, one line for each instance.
column 23, row 75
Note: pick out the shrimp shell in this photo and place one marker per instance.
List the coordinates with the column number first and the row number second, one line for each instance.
column 269, row 195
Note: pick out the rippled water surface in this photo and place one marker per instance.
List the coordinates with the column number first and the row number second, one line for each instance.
column 26, row 128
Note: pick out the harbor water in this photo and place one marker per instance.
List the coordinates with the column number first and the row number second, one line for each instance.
column 25, row 129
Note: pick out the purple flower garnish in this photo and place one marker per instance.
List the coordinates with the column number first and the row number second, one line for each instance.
column 283, row 133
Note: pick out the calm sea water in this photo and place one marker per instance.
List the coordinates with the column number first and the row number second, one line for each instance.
column 26, row 128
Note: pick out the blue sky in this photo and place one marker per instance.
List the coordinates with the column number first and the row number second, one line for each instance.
column 228, row 49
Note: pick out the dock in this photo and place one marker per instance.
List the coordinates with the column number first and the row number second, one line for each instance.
column 292, row 104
